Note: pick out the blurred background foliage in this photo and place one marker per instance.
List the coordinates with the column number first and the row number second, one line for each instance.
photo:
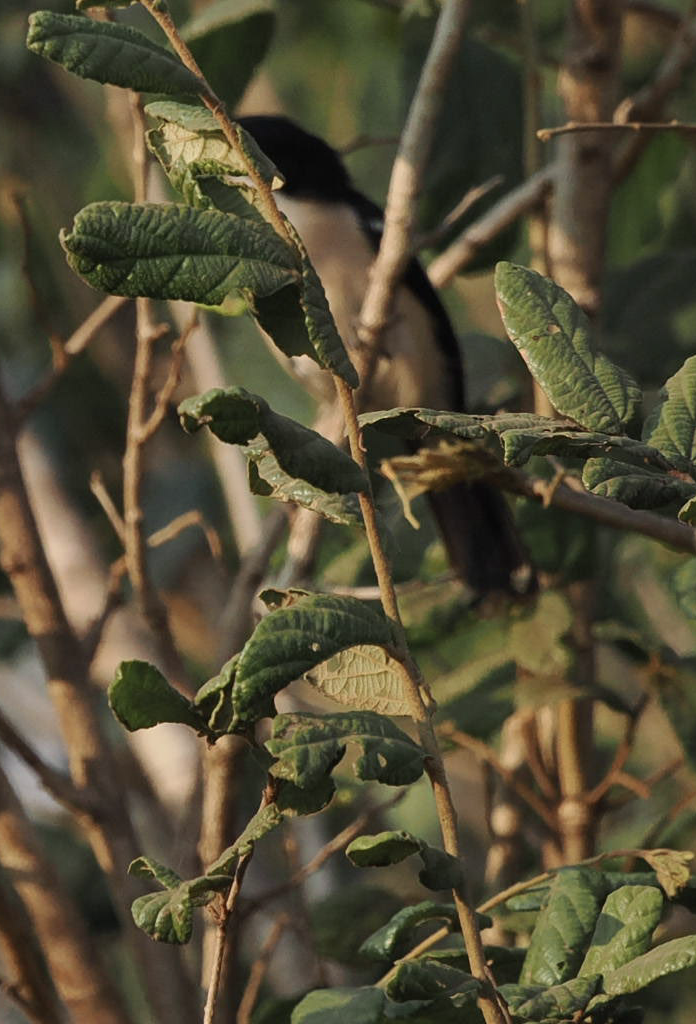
column 347, row 71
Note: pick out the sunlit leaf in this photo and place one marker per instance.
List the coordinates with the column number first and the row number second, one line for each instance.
column 140, row 697
column 175, row 252
column 108, row 52
column 308, row 747
column 553, row 336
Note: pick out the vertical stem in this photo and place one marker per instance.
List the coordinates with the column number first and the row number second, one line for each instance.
column 147, row 333
column 490, row 1005
column 588, row 83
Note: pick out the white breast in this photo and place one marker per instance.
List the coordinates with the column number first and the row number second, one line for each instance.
column 411, row 369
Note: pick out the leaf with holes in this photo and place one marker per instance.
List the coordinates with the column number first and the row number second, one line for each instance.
column 553, row 336
column 291, row 641
column 308, row 748
column 564, row 928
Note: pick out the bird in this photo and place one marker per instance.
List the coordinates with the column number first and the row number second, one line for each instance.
column 420, row 362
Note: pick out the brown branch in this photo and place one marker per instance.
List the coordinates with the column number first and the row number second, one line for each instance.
column 75, row 344
column 621, row 755
column 31, row 987
column 54, row 782
column 334, row 846
column 164, row 397
column 258, row 970
column 649, row 101
column 98, row 489
column 77, row 972
column 483, row 231
column 92, row 767
column 147, row 333
column 405, row 183
column 603, row 510
column 226, row 914
column 470, row 199
column 486, row 754
column 545, row 134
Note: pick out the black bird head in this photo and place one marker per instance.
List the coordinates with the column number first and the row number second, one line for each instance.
column 311, row 168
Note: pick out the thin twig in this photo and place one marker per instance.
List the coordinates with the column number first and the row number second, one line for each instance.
column 431, row 238
column 164, row 396
column 545, row 134
column 98, row 488
column 501, row 215
column 58, row 785
column 621, row 755
column 485, row 753
column 147, row 332
column 228, row 910
column 258, row 969
column 603, row 510
column 334, row 846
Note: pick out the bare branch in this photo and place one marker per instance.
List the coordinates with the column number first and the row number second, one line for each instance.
column 57, row 784
column 483, row 231
column 259, row 968
column 545, row 134
column 406, row 180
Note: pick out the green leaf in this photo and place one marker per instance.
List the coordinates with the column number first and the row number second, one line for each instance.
column 564, row 927
column 560, row 1002
column 214, row 699
column 388, row 942
column 108, row 52
column 515, row 437
column 192, row 149
column 264, row 821
column 328, row 348
column 624, row 928
column 292, row 799
column 168, row 916
column 553, row 336
column 175, row 252
column 291, row 641
column 269, row 480
column 148, row 867
column 440, row 869
column 635, row 486
column 380, row 850
column 236, row 416
column 425, row 978
column 675, row 955
column 671, row 426
column 140, row 697
column 364, row 677
column 339, row 1005
column 308, row 747
column 229, row 39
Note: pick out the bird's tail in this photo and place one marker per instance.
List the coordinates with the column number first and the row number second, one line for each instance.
column 482, row 541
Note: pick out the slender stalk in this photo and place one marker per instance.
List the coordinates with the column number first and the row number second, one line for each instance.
column 221, row 944
column 420, row 708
